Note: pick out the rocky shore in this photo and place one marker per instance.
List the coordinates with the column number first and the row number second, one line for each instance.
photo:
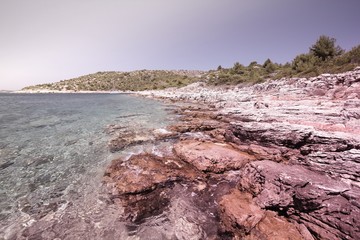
column 276, row 160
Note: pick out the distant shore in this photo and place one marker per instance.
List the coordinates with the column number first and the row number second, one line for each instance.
column 69, row 91
column 7, row 91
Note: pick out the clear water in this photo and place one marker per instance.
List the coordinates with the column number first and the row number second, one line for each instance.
column 53, row 153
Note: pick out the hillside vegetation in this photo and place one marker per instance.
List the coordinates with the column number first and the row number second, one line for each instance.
column 324, row 56
column 124, row 81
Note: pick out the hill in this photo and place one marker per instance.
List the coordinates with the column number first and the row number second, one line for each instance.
column 123, row 81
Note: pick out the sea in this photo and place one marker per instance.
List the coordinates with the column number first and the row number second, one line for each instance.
column 53, row 154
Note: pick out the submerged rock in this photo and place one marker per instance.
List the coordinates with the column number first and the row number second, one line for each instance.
column 142, row 183
column 126, row 137
column 4, row 165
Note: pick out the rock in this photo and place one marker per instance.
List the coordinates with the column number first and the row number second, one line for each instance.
column 211, row 157
column 113, row 128
column 182, row 127
column 218, row 134
column 261, row 105
column 163, row 134
column 144, row 172
column 117, row 144
column 259, row 152
column 122, row 137
column 313, row 199
column 290, row 135
column 187, row 220
column 142, row 183
column 128, row 138
column 272, row 133
column 273, row 227
column 240, row 215
column 195, row 125
column 71, row 142
column 167, row 191
column 42, row 160
column 335, row 153
column 4, row 165
column 339, row 163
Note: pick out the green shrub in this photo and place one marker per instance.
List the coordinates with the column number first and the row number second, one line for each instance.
column 305, row 62
column 237, row 68
column 269, row 66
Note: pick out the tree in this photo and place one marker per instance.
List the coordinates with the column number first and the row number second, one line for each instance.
column 325, row 48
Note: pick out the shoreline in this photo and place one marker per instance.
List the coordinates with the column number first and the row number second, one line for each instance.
column 276, row 160
column 279, row 155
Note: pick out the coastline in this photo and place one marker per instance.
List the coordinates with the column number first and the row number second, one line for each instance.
column 281, row 155
column 276, row 160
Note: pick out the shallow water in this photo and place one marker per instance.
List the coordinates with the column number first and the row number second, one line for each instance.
column 53, row 153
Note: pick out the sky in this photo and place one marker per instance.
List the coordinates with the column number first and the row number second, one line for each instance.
column 43, row 41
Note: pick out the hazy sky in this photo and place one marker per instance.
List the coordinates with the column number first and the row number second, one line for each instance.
column 45, row 41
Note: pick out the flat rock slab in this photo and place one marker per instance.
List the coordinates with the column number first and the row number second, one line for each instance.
column 211, row 157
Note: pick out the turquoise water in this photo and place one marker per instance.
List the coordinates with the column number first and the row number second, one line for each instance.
column 53, row 152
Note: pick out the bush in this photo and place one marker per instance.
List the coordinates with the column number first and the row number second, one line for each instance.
column 305, row 62
column 269, row 66
column 353, row 56
column 237, row 68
